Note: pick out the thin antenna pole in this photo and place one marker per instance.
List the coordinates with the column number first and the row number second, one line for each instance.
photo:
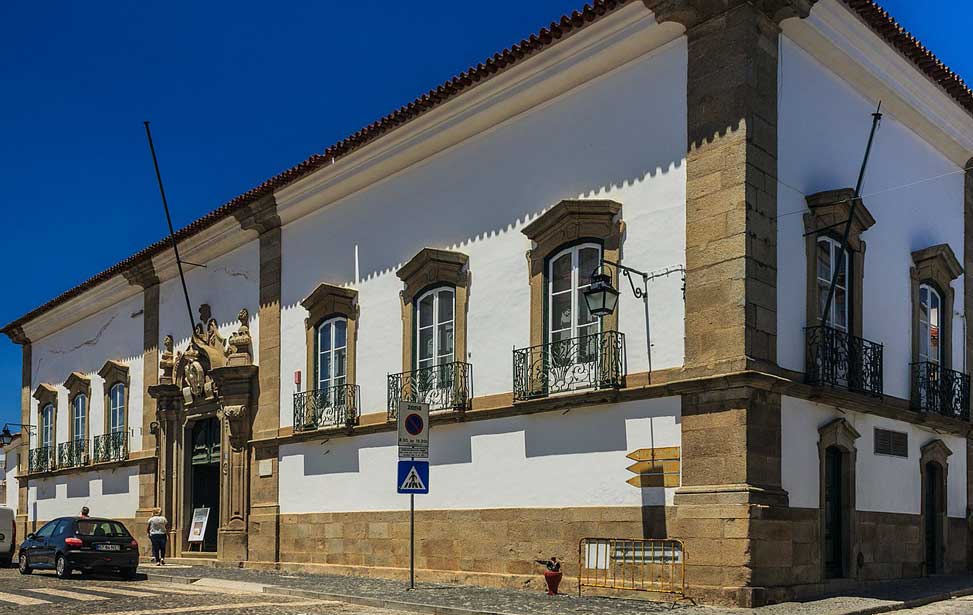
column 876, row 118
column 172, row 233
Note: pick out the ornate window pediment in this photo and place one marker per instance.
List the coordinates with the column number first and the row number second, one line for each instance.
column 934, row 450
column 76, row 384
column 935, row 267
column 824, row 224
column 326, row 302
column 426, row 270
column 45, row 394
column 570, row 222
column 113, row 372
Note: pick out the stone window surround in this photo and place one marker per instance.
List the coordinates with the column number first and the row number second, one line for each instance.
column 840, row 433
column 936, row 266
column 827, row 209
column 570, row 222
column 431, row 268
column 112, row 373
column 934, row 451
column 46, row 394
column 329, row 301
column 78, row 384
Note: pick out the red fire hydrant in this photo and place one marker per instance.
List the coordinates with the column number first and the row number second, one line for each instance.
column 552, row 576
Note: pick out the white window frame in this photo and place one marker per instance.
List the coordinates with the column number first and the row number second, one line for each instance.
column 438, row 357
column 79, row 403
column 331, row 379
column 835, row 249
column 575, row 329
column 116, row 408
column 925, row 340
column 47, row 426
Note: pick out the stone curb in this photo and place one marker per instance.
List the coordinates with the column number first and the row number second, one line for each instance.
column 912, row 604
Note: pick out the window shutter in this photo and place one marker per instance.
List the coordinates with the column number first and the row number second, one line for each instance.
column 889, row 442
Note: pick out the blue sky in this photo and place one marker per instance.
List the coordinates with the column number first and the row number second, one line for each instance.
column 236, row 92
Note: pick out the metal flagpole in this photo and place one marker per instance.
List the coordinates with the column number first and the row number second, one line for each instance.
column 876, row 118
column 172, row 234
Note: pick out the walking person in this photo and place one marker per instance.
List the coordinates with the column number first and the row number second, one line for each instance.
column 158, row 528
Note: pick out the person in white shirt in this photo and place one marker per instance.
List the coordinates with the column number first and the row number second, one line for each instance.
column 158, row 528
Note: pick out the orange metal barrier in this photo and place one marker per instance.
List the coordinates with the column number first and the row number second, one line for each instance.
column 636, row 564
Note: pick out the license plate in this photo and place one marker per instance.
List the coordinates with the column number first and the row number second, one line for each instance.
column 108, row 548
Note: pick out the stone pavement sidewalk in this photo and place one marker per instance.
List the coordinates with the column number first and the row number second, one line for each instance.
column 448, row 599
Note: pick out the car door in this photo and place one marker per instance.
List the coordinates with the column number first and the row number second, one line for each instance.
column 41, row 551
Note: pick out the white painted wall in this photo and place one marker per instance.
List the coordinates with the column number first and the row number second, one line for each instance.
column 620, row 137
column 11, row 459
column 539, row 460
column 823, row 127
column 228, row 283
column 109, row 493
column 113, row 334
column 883, row 483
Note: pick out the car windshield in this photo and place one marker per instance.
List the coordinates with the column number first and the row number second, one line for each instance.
column 101, row 528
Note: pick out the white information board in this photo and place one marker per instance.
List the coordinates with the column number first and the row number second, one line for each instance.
column 197, row 529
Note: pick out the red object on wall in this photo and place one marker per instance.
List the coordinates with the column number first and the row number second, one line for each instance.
column 297, row 377
column 553, row 579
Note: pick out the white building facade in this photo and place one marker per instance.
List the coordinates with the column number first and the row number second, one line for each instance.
column 442, row 255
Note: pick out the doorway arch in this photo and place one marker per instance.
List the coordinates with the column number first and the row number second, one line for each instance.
column 933, row 468
column 204, row 475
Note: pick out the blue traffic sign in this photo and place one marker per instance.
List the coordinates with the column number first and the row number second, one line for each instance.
column 413, row 476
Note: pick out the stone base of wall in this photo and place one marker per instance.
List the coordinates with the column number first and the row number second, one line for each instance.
column 501, row 542
column 763, row 554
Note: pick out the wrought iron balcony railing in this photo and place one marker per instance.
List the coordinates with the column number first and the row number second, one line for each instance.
column 337, row 406
column 111, row 447
column 942, row 391
column 72, row 454
column 839, row 359
column 595, row 361
column 444, row 387
column 41, row 459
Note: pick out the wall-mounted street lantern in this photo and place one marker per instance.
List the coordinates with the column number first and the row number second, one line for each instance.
column 6, row 437
column 601, row 296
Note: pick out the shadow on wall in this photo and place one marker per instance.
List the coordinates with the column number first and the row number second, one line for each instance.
column 46, row 490
column 595, row 142
column 114, row 483
column 79, row 487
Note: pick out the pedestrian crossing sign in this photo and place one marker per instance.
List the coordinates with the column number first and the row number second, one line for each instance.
column 413, row 476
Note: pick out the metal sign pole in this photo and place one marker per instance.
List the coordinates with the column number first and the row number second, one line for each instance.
column 412, row 541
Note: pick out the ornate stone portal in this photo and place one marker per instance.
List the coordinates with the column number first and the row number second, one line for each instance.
column 211, row 378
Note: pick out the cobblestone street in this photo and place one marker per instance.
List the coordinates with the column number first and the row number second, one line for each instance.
column 42, row 592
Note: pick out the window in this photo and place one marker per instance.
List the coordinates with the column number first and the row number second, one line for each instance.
column 79, row 416
column 47, row 425
column 331, row 336
column 930, row 324
column 48, row 530
column 332, row 345
column 116, row 410
column 435, row 315
column 828, row 254
column 569, row 273
column 893, row 443
column 102, row 528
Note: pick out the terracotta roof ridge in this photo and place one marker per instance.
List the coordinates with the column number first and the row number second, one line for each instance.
column 877, row 18
column 884, row 25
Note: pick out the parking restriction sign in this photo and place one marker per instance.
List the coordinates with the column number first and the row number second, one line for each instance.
column 413, row 420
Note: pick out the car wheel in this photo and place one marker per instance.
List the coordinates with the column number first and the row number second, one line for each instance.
column 24, row 565
column 61, row 567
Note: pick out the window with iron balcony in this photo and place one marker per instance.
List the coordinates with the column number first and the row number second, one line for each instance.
column 836, row 354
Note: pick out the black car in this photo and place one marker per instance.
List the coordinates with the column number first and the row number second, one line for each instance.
column 80, row 543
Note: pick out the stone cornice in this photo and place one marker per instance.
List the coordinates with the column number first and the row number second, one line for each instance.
column 17, row 335
column 836, row 37
column 677, row 385
column 940, row 258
